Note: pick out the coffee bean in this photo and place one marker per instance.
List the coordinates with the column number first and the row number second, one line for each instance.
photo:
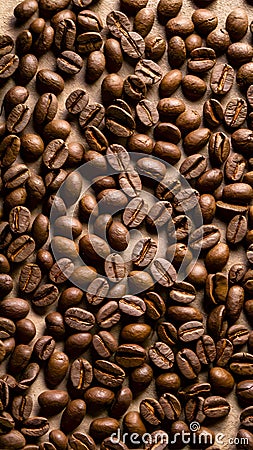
column 133, row 45
column 52, row 402
column 49, row 81
column 45, row 108
column 30, row 278
column 193, row 87
column 92, row 115
column 9, row 150
column 219, row 148
column 235, row 113
column 8, row 65
column 77, row 101
column 185, row 200
column 179, row 26
column 69, row 62
column 193, row 166
column 21, row 407
column 147, row 113
column 79, row 439
column 151, row 411
column 81, row 374
column 237, row 24
column 119, row 121
column 148, row 71
column 222, row 79
column 205, row 237
column 88, row 42
column 97, row 291
column 155, row 46
column 161, row 355
column 144, row 252
column 190, row 331
column 204, row 21
column 176, row 51
column 56, row 368
column 108, row 373
column 65, row 34
column 90, row 21
column 213, row 113
column 201, row 60
column 13, row 438
column 143, row 21
column 73, row 415
column 20, row 249
column 236, row 229
column 79, row 319
column 6, row 44
column 216, row 407
column 45, row 295
column 205, row 349
column 118, row 23
column 132, row 305
column 104, row 344
column 55, row 154
column 130, row 355
column 238, row 334
column 188, row 363
column 163, row 272
column 18, row 118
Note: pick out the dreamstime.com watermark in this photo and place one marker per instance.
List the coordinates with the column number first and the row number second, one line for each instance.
column 194, row 436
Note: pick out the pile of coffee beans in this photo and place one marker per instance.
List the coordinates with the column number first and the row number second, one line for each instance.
column 113, row 244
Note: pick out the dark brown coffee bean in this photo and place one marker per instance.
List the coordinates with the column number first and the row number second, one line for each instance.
column 190, row 331
column 165, row 131
column 163, row 272
column 108, row 373
column 19, row 219
column 30, row 278
column 240, row 192
column 130, row 355
column 188, row 363
column 49, row 7
column 24, row 42
column 237, row 24
column 222, row 79
column 205, row 349
column 193, row 166
column 201, row 60
column 179, row 26
column 144, row 252
column 19, row 358
column 155, row 46
column 52, row 402
column 219, row 40
column 104, row 344
column 56, row 369
column 69, row 62
column 170, row 108
column 196, row 140
column 79, row 439
column 243, row 76
column 18, row 118
column 219, row 148
column 238, row 334
column 8, row 65
column 77, row 101
column 118, row 23
column 13, row 438
column 20, row 249
column 236, row 229
column 65, row 34
column 134, row 87
column 81, row 374
column 92, row 115
column 239, row 53
column 45, row 108
column 216, row 322
column 21, row 407
column 135, row 212
column 161, row 355
column 143, row 21
column 132, row 305
column 133, row 45
column 216, row 288
column 97, row 291
column 49, row 81
column 98, row 397
column 88, row 42
column 193, row 87
column 55, row 154
column 9, row 150
column 78, row 319
column 204, row 21
column 61, row 270
column 205, row 237
column 148, row 71
column 147, row 113
column 235, row 113
column 176, row 51
column 213, row 113
column 73, row 415
column 151, row 411
column 216, row 407
column 6, row 44
column 119, row 121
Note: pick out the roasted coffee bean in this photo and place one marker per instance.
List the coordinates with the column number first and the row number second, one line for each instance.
column 151, row 411
column 88, row 42
column 104, row 343
column 216, row 322
column 52, row 402
column 32, row 147
column 45, row 295
column 165, row 131
column 49, row 81
column 56, row 129
column 216, row 288
column 118, row 23
column 6, row 44
column 133, row 45
column 239, row 53
column 167, row 151
column 78, row 319
column 205, row 349
column 193, row 87
column 190, row 331
column 208, row 207
column 235, row 167
column 95, row 138
column 55, row 154
column 108, row 315
column 163, row 272
column 134, row 87
column 19, row 219
column 18, row 118
column 238, row 334
column 95, row 66
column 216, row 407
column 144, row 252
column 132, row 305
column 147, row 113
column 73, row 415
column 119, row 121
column 170, row 82
column 170, row 108
column 92, row 115
column 19, row 358
column 135, row 332
column 167, row 10
column 179, row 26
column 49, row 7
column 20, row 249
column 204, row 21
column 246, row 417
column 30, row 278
column 155, row 47
column 205, row 237
column 77, row 101
column 130, row 355
column 196, row 140
column 132, row 6
column 188, row 363
column 61, row 271
column 89, row 21
column 238, row 192
column 161, row 355
column 143, row 21
column 65, row 34
column 235, row 113
column 40, row 229
column 13, row 438
column 45, row 108
column 193, row 166
column 81, row 374
column 108, row 373
column 56, row 368
column 185, row 200
column 103, row 428
column 222, row 79
column 98, row 397
column 237, row 24
column 28, row 66
column 213, row 113
column 21, row 407
column 9, row 150
column 24, row 42
column 148, row 71
column 8, row 65
column 69, row 62
column 176, row 52
column 219, row 40
column 236, row 229
column 79, row 439
column 201, row 60
column 219, row 148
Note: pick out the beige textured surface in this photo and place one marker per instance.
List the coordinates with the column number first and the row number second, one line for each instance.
column 222, row 8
